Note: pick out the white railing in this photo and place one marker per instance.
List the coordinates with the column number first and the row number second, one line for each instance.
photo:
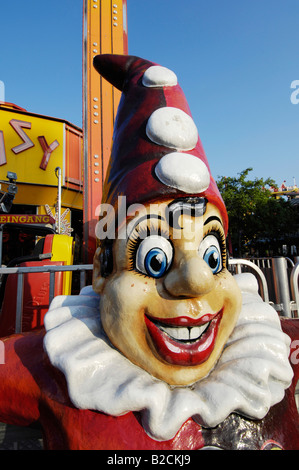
column 238, row 263
column 286, row 286
column 294, row 279
column 284, row 281
column 20, row 271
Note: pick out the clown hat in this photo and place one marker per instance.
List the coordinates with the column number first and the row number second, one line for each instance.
column 156, row 153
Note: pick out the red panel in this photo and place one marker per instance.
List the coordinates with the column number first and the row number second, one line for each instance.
column 35, row 300
column 73, row 154
column 48, row 244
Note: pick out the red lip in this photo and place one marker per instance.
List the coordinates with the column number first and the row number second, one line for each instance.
column 184, row 353
column 186, row 321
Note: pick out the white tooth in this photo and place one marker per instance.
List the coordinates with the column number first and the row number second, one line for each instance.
column 169, row 330
column 197, row 331
column 177, row 333
column 185, row 334
column 194, row 332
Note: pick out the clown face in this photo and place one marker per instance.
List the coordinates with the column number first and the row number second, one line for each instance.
column 169, row 304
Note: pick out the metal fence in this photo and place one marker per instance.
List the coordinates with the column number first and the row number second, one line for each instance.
column 237, row 266
column 21, row 271
column 278, row 281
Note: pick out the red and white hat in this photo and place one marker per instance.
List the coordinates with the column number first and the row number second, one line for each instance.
column 157, row 153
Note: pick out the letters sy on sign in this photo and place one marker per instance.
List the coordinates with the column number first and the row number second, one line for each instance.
column 19, row 127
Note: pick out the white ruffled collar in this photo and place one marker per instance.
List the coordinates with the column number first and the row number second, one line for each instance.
column 250, row 377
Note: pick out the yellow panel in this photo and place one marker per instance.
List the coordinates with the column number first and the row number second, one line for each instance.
column 62, row 250
column 40, row 195
column 26, row 139
column 106, row 26
column 119, row 27
column 35, row 195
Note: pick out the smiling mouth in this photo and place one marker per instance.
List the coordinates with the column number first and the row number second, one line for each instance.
column 182, row 340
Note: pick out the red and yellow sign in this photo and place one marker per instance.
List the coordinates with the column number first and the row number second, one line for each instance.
column 25, row 219
column 32, row 146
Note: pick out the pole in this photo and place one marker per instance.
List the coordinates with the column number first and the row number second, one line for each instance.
column 58, row 175
column 104, row 31
column 281, row 284
column 1, row 244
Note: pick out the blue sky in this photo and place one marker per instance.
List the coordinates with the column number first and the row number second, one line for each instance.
column 235, row 61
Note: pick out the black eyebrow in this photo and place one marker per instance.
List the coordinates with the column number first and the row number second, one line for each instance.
column 209, row 219
column 193, row 206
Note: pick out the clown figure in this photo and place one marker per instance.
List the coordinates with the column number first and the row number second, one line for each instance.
column 170, row 304
column 167, row 350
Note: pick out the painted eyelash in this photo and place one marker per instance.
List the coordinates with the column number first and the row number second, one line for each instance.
column 136, row 237
column 133, row 243
column 214, row 230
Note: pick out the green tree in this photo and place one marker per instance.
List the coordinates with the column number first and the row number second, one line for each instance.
column 254, row 214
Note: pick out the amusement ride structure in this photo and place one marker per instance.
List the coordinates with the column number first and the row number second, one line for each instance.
column 106, row 376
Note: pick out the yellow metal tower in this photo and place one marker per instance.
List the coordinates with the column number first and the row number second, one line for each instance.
column 104, row 31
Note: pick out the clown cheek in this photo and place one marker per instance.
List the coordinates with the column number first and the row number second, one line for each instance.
column 124, row 297
column 232, row 302
column 231, row 292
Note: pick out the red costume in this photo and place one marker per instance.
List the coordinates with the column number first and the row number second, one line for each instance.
column 33, row 391
column 63, row 381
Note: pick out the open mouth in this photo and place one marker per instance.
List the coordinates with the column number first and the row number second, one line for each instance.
column 182, row 340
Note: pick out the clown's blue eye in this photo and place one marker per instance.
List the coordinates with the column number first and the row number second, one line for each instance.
column 212, row 257
column 154, row 256
column 155, row 262
column 211, row 253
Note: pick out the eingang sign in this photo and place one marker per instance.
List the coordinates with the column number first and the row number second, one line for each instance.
column 25, row 219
